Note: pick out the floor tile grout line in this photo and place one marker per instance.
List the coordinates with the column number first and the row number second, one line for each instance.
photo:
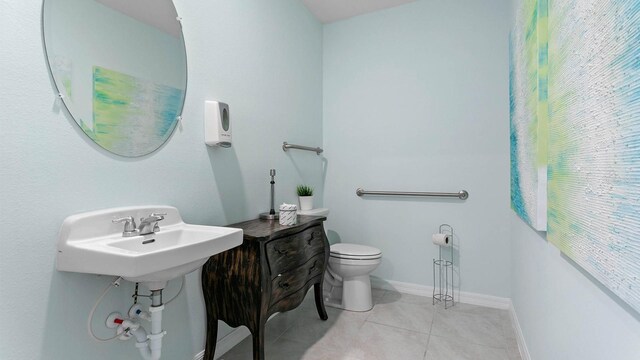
column 433, row 318
column 297, row 318
column 397, row 327
column 353, row 337
column 471, row 342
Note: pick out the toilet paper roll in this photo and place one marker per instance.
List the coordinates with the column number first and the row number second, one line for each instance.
column 442, row 240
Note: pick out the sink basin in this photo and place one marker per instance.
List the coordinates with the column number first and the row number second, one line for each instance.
column 91, row 243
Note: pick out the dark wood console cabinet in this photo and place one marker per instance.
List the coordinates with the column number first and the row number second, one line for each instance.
column 270, row 272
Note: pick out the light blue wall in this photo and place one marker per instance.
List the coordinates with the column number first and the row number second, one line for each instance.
column 563, row 312
column 416, row 98
column 263, row 58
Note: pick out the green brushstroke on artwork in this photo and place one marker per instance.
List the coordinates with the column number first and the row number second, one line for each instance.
column 594, row 140
column 543, row 82
column 87, row 130
column 132, row 116
column 530, row 9
column 113, row 93
column 529, row 113
column 537, row 45
column 560, row 148
column 66, row 83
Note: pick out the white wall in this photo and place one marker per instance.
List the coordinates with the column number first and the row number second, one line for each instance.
column 263, row 58
column 416, row 98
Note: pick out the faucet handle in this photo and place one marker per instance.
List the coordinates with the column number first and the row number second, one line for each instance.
column 129, row 225
column 153, row 217
column 161, row 215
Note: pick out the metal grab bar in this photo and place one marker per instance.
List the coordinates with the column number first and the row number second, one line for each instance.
column 462, row 194
column 286, row 145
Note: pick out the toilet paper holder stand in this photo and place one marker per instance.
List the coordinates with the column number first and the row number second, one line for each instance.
column 443, row 268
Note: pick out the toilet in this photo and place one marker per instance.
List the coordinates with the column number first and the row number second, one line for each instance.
column 347, row 284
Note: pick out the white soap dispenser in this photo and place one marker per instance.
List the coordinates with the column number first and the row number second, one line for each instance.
column 217, row 124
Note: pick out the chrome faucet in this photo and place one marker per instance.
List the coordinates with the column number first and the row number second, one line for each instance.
column 129, row 226
column 149, row 224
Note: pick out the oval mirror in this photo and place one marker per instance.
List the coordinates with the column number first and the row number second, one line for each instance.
column 120, row 68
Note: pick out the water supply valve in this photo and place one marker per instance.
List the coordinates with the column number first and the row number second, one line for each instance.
column 136, row 311
column 114, row 320
column 126, row 329
column 124, row 326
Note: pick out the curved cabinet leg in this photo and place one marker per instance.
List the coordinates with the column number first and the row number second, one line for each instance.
column 322, row 312
column 212, row 338
column 258, row 343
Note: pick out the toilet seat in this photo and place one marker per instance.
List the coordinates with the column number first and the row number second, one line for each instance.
column 354, row 252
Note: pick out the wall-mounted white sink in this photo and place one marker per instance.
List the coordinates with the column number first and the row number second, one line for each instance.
column 91, row 243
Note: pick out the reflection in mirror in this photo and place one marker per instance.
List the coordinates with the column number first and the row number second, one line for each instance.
column 120, row 68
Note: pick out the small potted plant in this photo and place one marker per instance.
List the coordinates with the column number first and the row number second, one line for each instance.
column 305, row 196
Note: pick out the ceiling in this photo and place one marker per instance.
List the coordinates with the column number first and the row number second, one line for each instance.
column 333, row 10
column 159, row 14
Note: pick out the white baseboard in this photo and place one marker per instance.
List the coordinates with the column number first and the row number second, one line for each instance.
column 227, row 343
column 425, row 290
column 522, row 345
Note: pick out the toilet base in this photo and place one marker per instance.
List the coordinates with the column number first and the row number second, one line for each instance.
column 353, row 295
column 356, row 293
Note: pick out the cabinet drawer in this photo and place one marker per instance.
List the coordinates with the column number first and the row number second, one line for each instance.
column 292, row 251
column 287, row 283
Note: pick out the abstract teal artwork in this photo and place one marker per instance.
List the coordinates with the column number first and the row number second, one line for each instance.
column 131, row 116
column 528, row 120
column 594, row 139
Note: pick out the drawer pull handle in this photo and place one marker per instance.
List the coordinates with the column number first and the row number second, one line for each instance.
column 313, row 268
column 279, row 251
column 314, row 235
column 284, row 285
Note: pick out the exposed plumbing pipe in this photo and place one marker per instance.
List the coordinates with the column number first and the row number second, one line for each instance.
column 142, row 339
column 155, row 338
column 149, row 345
column 138, row 332
column 154, row 348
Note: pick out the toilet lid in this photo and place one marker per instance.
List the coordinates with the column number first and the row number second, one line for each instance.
column 354, row 251
column 314, row 212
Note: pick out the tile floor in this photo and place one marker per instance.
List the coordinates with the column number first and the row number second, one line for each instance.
column 400, row 326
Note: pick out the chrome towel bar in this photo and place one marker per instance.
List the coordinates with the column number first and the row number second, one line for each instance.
column 286, row 145
column 462, row 194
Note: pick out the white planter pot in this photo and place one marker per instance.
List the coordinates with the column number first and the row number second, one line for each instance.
column 306, row 202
